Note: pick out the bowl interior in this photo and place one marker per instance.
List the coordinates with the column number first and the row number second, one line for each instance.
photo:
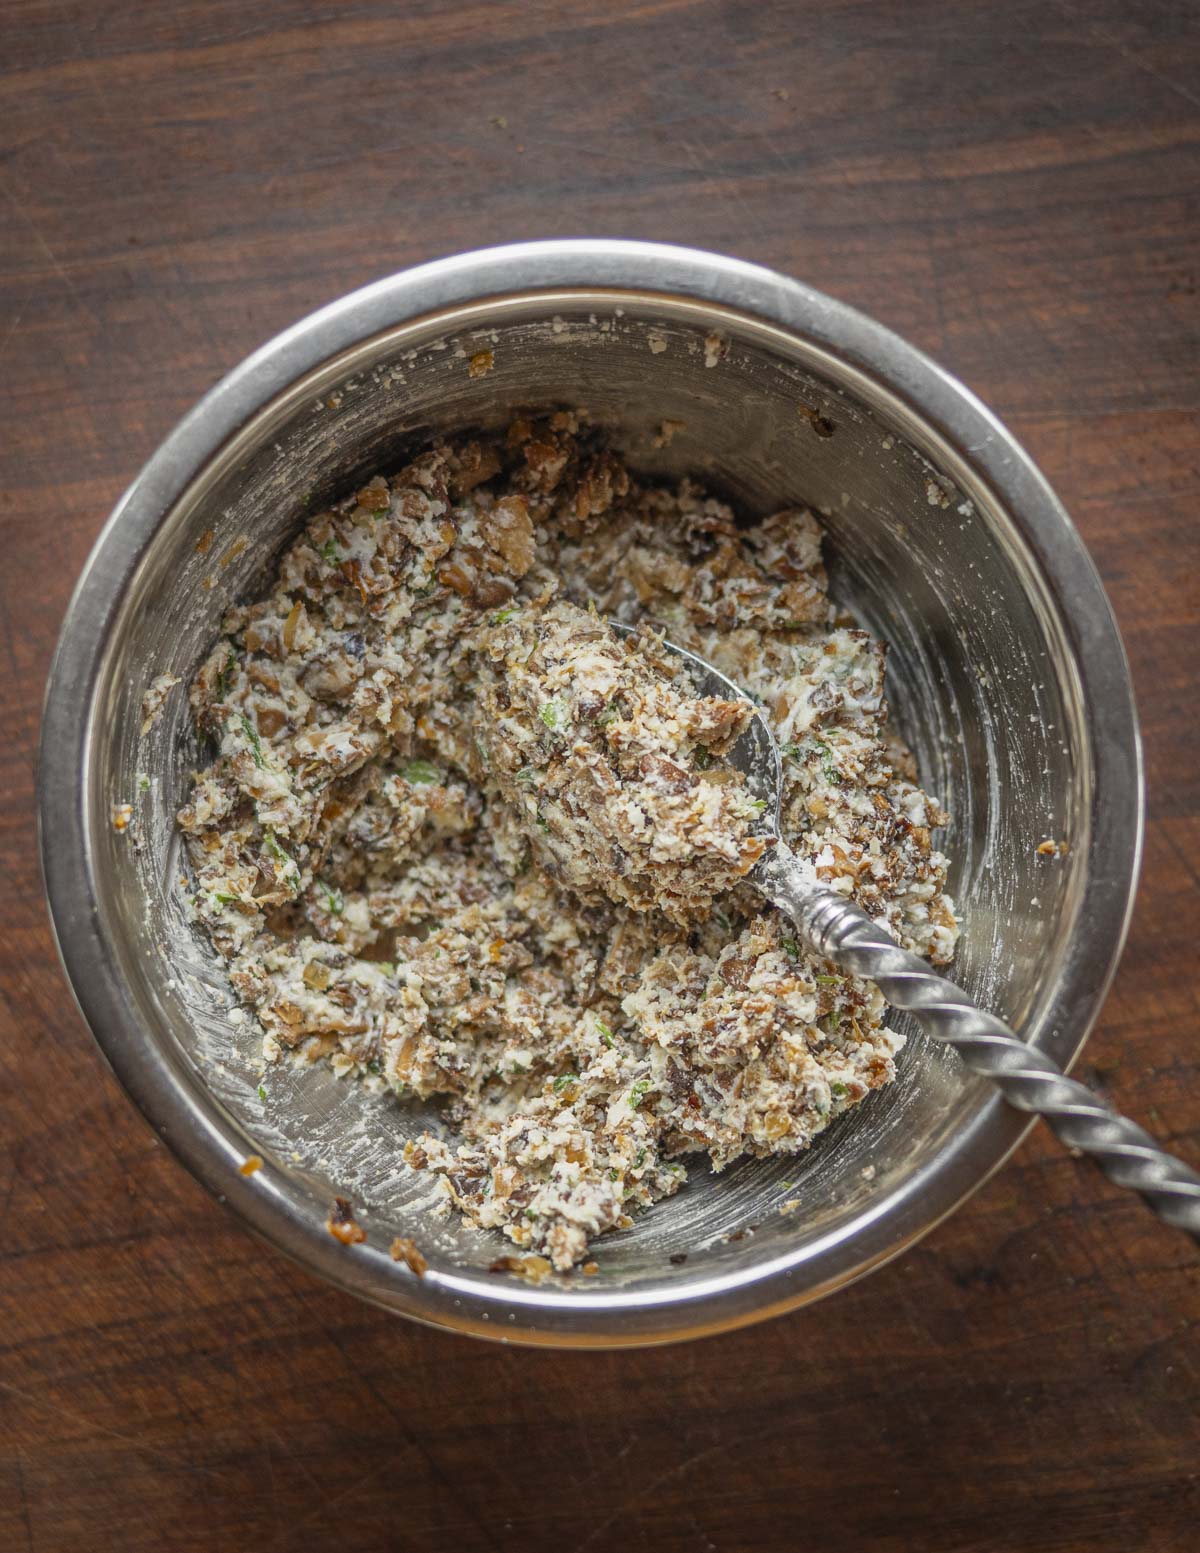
column 982, row 684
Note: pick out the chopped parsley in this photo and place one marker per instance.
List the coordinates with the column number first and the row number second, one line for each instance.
column 563, row 1079
column 262, row 1092
column 554, row 714
column 637, row 1092
column 286, row 861
column 329, row 553
column 503, row 616
column 828, row 981
column 791, row 948
column 837, row 1090
column 251, row 733
column 832, row 774
column 420, row 773
column 224, row 676
column 609, row 715
column 605, row 1034
column 335, row 901
column 525, row 777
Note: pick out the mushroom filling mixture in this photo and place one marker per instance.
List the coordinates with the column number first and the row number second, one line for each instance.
column 605, row 754
column 425, row 688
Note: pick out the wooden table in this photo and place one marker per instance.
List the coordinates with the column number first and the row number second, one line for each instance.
column 1011, row 185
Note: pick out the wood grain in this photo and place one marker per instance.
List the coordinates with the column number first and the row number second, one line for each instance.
column 1012, row 185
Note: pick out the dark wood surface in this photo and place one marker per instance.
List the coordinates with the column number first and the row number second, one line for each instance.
column 1014, row 187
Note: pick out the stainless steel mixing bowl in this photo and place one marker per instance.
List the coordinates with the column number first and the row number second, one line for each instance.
column 1007, row 676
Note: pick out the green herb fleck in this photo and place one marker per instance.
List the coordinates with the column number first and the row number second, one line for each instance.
column 791, row 948
column 525, row 777
column 503, row 616
column 285, row 859
column 143, row 782
column 789, row 749
column 563, row 1079
column 722, row 921
column 226, row 900
column 828, row 981
column 329, row 553
column 614, row 1175
column 262, row 1092
column 758, row 805
column 605, row 1034
column 610, row 714
column 554, row 714
column 224, row 676
column 251, row 733
column 832, row 774
column 335, row 901
column 542, row 824
column 481, row 751
column 703, row 758
column 640, row 1160
column 637, row 1093
column 837, row 1090
column 374, row 1066
column 420, row 773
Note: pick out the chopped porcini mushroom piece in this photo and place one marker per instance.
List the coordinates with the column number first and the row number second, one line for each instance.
column 405, row 1250
column 342, row 1224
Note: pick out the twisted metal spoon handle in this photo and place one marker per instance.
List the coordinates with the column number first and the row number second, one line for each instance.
column 1028, row 1079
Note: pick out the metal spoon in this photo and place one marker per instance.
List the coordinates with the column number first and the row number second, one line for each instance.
column 842, row 932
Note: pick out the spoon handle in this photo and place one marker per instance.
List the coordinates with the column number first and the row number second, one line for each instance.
column 1028, row 1079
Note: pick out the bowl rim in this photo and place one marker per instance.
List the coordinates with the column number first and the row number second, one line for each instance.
column 194, row 1124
